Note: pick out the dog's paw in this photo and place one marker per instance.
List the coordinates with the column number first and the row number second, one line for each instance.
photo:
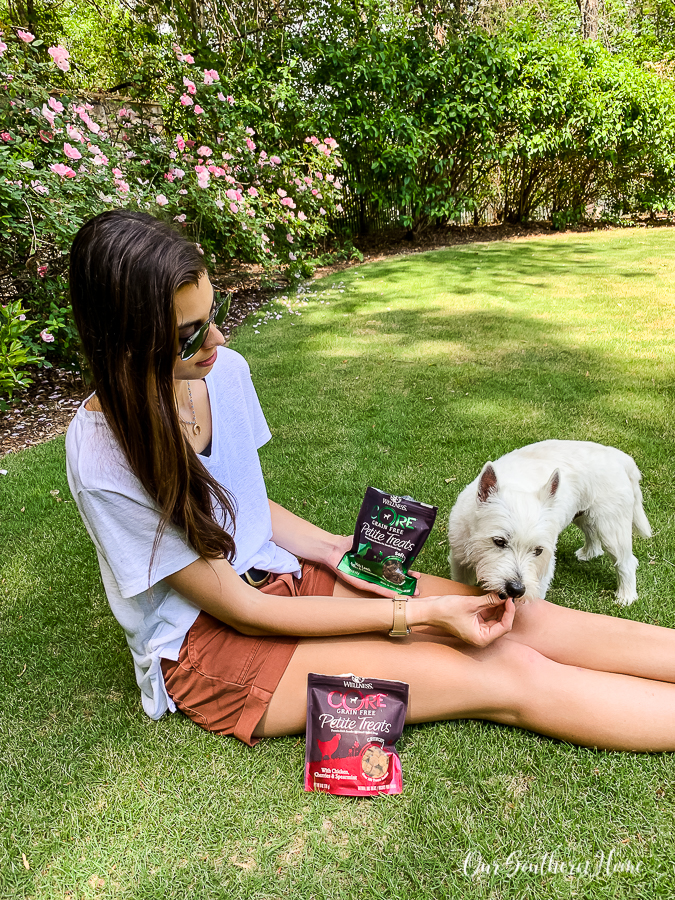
column 625, row 599
column 585, row 553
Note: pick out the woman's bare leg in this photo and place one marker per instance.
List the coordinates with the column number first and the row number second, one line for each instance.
column 594, row 641
column 577, row 638
column 507, row 682
column 556, row 673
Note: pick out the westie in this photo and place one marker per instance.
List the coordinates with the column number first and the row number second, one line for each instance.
column 504, row 526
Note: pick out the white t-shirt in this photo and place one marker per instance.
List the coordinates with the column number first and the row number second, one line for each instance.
column 122, row 521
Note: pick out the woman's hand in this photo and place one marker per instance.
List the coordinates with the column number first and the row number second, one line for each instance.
column 477, row 620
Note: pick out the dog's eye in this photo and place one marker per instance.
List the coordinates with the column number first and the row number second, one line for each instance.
column 538, row 551
column 499, row 542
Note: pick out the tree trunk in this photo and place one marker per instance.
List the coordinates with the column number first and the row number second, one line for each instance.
column 589, row 19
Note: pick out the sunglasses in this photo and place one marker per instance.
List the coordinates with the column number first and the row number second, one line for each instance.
column 189, row 346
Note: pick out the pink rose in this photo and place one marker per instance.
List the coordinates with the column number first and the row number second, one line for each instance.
column 161, row 200
column 190, row 85
column 302, row 216
column 288, row 202
column 252, row 192
column 203, row 179
column 60, row 56
column 62, row 170
column 49, row 115
column 250, row 144
column 46, row 336
column 74, row 134
column 71, row 152
column 210, row 75
column 181, row 218
column 198, row 110
column 338, row 208
column 199, row 248
column 230, row 99
column 221, row 96
column 180, row 143
column 42, row 270
column 100, row 160
column 185, row 100
column 289, row 238
column 6, row 137
column 281, row 192
column 234, row 208
column 3, row 47
column 322, row 211
column 188, row 58
column 204, row 151
column 275, row 160
column 27, row 38
column 122, row 187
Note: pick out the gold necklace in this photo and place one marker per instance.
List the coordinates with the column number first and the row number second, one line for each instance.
column 196, row 429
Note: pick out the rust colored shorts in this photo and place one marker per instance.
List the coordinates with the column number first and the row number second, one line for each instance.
column 223, row 680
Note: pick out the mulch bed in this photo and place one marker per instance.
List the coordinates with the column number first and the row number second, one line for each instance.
column 47, row 407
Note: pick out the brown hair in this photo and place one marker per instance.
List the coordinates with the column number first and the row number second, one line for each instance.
column 125, row 268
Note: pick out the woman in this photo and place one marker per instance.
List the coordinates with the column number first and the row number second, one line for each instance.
column 228, row 600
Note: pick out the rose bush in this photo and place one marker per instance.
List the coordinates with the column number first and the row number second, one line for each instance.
column 199, row 164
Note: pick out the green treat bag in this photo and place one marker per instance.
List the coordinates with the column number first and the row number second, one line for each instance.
column 390, row 532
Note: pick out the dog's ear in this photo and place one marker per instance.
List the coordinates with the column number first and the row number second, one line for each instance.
column 550, row 489
column 487, row 483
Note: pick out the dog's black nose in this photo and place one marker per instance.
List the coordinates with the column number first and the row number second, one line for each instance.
column 515, row 589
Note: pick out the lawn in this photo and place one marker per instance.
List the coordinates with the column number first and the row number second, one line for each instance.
column 407, row 374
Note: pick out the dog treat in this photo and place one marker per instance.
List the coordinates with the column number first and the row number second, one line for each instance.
column 390, row 532
column 353, row 724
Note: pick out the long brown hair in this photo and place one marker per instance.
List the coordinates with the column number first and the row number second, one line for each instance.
column 125, row 268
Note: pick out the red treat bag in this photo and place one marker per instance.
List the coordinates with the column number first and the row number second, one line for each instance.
column 352, row 727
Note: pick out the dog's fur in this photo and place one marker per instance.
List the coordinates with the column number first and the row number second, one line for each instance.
column 525, row 499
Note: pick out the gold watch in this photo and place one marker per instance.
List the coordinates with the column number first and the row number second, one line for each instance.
column 400, row 626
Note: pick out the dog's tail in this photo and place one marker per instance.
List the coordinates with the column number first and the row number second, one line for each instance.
column 640, row 521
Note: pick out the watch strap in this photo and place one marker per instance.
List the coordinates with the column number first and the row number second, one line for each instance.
column 400, row 625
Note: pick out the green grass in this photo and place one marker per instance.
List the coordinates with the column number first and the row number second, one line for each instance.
column 409, row 375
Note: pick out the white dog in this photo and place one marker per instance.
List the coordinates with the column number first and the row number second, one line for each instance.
column 504, row 526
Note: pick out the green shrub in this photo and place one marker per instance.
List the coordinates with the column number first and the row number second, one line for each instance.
column 14, row 355
column 193, row 161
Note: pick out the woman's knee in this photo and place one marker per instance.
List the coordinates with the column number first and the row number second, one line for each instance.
column 519, row 674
